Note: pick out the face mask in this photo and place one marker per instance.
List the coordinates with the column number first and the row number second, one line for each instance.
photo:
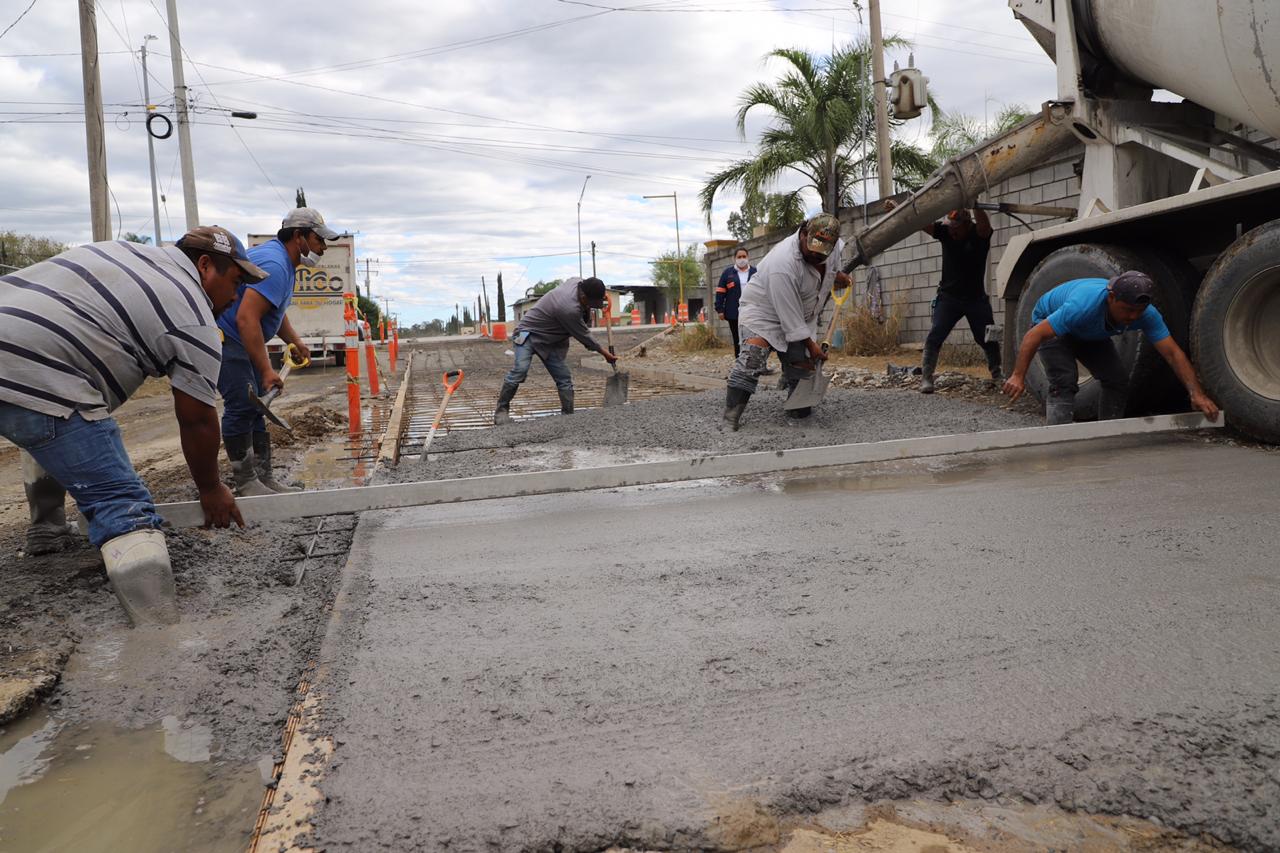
column 309, row 259
column 743, row 263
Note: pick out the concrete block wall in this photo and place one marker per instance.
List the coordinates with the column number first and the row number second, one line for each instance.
column 909, row 272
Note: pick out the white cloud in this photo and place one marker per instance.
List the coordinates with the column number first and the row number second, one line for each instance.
column 451, row 162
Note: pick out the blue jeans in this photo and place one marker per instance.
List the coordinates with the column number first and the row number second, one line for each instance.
column 239, row 417
column 88, row 458
column 554, row 363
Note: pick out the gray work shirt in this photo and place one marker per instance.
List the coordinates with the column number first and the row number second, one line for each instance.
column 786, row 294
column 81, row 331
column 555, row 318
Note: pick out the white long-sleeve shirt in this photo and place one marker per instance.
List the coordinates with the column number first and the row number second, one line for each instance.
column 785, row 297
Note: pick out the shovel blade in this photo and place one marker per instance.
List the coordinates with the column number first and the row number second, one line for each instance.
column 616, row 388
column 265, row 408
column 809, row 392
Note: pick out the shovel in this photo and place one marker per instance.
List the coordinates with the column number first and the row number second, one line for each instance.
column 810, row 391
column 616, row 386
column 263, row 403
column 451, row 380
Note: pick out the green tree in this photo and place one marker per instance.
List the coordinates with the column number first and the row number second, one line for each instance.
column 772, row 210
column 956, row 133
column 824, row 118
column 667, row 269
column 23, row 250
column 544, row 287
column 371, row 311
column 136, row 238
column 467, row 319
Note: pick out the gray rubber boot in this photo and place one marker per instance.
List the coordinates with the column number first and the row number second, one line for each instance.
column 244, row 475
column 927, row 366
column 502, row 414
column 262, row 464
column 138, row 567
column 1059, row 410
column 48, row 532
column 566, row 401
column 735, row 403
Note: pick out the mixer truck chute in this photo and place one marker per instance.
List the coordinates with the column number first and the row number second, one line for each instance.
column 1189, row 192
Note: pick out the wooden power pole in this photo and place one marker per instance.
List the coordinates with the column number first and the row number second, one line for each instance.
column 94, row 135
column 884, row 162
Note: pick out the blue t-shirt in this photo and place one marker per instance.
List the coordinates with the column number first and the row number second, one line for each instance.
column 1079, row 308
column 276, row 288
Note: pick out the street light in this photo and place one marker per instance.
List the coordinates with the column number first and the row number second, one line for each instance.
column 580, row 195
column 679, row 254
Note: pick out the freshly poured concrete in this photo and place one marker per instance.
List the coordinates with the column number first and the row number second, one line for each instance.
column 1093, row 626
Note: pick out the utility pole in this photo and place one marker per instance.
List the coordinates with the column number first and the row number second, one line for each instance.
column 95, row 134
column 184, row 125
column 580, row 195
column 593, row 258
column 368, row 292
column 679, row 254
column 151, row 142
column 885, row 165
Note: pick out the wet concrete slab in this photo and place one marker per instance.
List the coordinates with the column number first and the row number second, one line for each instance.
column 1088, row 627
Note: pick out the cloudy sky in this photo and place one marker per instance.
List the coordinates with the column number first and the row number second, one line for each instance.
column 453, row 136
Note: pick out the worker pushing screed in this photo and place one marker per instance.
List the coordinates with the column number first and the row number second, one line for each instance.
column 1075, row 322
column 81, row 332
column 545, row 331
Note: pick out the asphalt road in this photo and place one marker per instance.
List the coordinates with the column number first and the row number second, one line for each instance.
column 1092, row 626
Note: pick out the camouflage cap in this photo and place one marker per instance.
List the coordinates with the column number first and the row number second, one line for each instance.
column 821, row 234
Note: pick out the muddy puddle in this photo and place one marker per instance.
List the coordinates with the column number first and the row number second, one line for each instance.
column 99, row 788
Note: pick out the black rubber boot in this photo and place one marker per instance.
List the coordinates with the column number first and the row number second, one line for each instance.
column 735, row 403
column 566, row 401
column 262, row 464
column 502, row 414
column 244, row 475
column 927, row 365
column 993, row 362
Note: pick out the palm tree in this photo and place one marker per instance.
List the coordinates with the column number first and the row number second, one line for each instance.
column 956, row 133
column 824, row 117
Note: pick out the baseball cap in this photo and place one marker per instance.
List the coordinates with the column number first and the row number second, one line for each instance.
column 593, row 289
column 1133, row 287
column 310, row 218
column 219, row 241
column 821, row 233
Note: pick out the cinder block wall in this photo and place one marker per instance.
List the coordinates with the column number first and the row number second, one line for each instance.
column 910, row 270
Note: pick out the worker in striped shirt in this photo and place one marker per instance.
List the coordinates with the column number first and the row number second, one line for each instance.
column 79, row 333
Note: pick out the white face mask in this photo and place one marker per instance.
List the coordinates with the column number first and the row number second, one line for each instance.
column 743, row 263
column 309, row 259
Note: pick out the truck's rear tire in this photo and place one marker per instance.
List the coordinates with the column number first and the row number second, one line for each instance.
column 339, row 358
column 1152, row 385
column 1235, row 332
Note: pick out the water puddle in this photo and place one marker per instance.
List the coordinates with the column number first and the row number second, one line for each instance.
column 98, row 788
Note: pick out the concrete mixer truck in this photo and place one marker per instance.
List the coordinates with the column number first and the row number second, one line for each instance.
column 1187, row 191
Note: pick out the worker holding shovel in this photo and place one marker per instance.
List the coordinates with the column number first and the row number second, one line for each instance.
column 545, row 331
column 780, row 310
column 79, row 334
column 256, row 317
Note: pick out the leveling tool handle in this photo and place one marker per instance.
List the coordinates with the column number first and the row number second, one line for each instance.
column 449, row 386
column 839, row 297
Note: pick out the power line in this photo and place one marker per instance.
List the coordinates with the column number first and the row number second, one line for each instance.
column 19, row 18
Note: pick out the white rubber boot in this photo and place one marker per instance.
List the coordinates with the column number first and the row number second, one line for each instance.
column 138, row 566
